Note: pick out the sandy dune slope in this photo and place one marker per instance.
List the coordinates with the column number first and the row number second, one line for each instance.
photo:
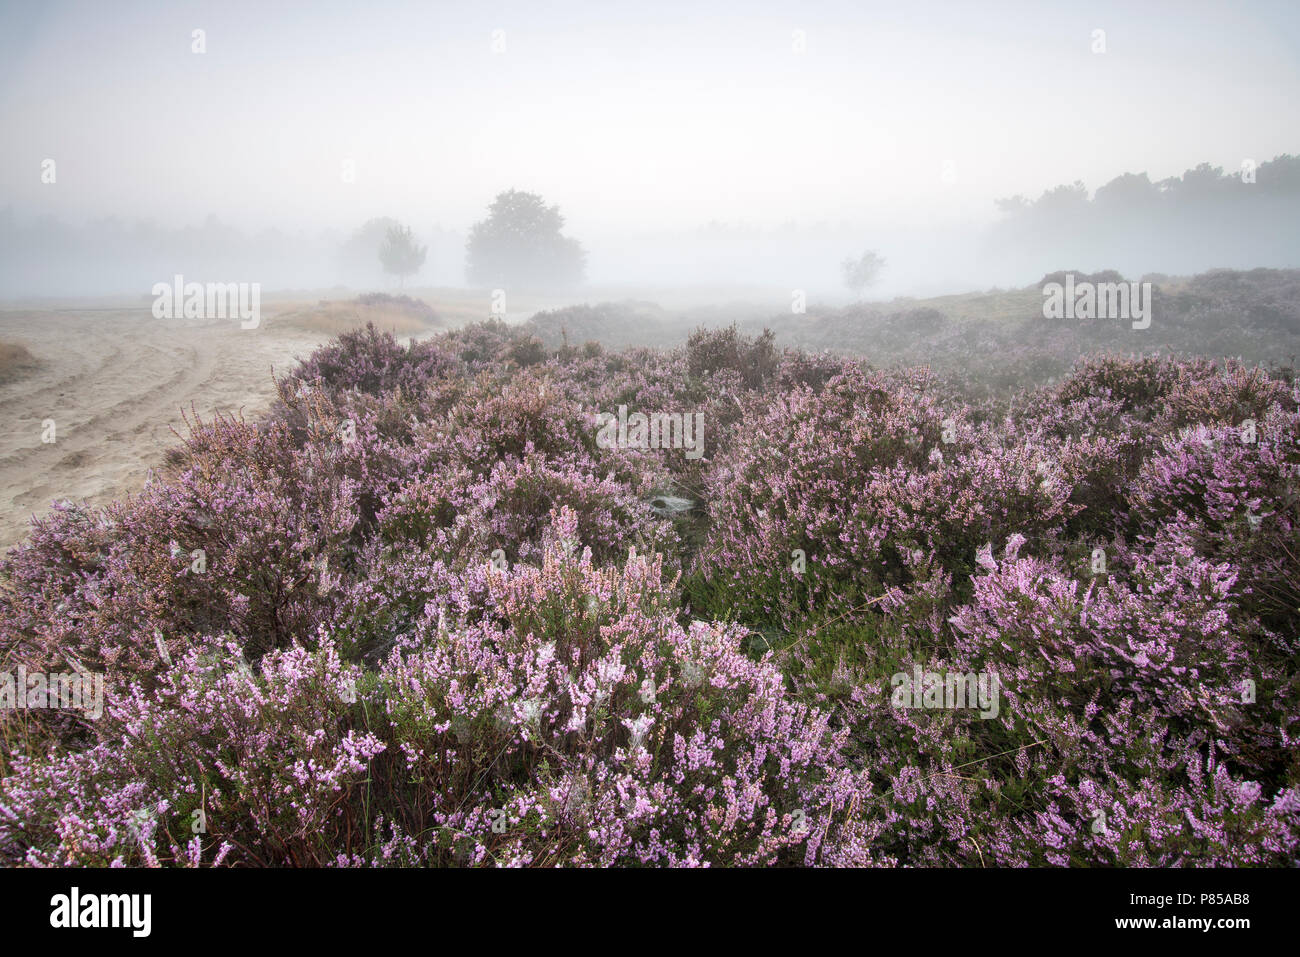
column 114, row 382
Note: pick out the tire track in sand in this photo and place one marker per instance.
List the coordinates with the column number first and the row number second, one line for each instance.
column 115, row 384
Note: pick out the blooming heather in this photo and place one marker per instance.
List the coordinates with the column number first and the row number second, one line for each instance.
column 419, row 616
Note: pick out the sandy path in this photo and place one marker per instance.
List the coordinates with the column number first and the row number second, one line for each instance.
column 115, row 382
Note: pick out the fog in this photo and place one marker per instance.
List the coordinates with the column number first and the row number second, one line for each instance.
column 724, row 143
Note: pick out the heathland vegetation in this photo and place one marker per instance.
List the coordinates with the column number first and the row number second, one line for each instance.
column 419, row 615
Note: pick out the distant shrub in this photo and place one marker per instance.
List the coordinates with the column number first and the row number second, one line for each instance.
column 15, row 361
column 613, row 324
column 1105, row 276
column 417, row 307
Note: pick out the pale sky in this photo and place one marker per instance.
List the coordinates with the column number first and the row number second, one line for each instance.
column 630, row 116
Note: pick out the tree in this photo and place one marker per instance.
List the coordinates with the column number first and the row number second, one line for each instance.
column 356, row 257
column 1012, row 205
column 400, row 253
column 862, row 272
column 520, row 244
column 1126, row 193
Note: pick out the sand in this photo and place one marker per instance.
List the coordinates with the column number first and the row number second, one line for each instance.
column 114, row 382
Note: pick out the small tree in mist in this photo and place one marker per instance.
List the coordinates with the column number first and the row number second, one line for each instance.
column 356, row 256
column 400, row 254
column 862, row 272
column 520, row 244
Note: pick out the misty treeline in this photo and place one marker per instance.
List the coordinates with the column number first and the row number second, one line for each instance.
column 48, row 257
column 519, row 243
column 1205, row 219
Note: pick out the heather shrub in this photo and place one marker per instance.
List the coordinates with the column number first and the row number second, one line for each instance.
column 526, row 351
column 601, row 731
column 1206, row 393
column 419, row 615
column 1119, row 735
column 577, row 712
column 234, row 543
column 811, row 370
column 482, row 345
column 1059, row 276
column 1209, row 493
column 511, row 503
column 708, row 351
column 507, row 418
column 374, row 362
column 459, row 519
column 270, row 755
column 417, row 307
column 860, row 477
column 1136, row 383
column 1130, row 686
column 616, row 324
